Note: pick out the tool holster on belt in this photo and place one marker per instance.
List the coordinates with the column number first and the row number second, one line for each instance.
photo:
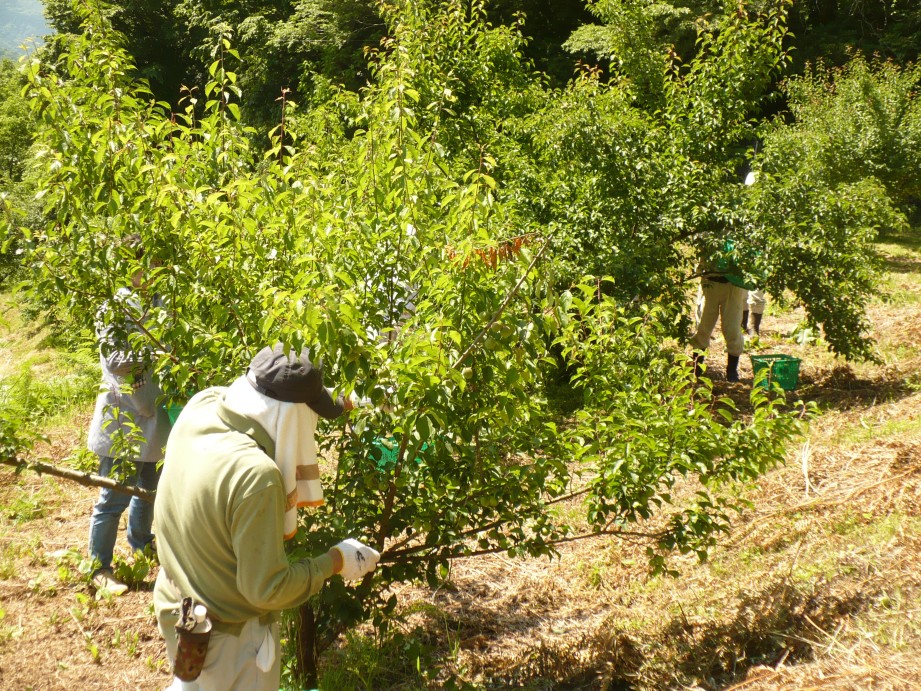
column 193, row 635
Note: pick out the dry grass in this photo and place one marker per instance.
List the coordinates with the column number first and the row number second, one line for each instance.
column 53, row 633
column 813, row 589
column 818, row 586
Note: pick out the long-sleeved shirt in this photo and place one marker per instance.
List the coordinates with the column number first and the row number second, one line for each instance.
column 126, row 405
column 219, row 514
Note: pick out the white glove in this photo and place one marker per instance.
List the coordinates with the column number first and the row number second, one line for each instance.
column 366, row 402
column 357, row 559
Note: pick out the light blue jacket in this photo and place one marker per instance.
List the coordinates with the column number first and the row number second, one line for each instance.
column 128, row 422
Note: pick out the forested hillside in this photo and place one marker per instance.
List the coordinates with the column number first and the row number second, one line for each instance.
column 20, row 20
column 490, row 222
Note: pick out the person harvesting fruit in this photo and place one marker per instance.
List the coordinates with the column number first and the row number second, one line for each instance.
column 722, row 296
column 129, row 429
column 239, row 463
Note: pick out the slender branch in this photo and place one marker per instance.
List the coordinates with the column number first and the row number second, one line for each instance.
column 342, row 437
column 85, row 479
column 393, row 556
column 488, row 526
column 403, row 540
column 617, row 533
column 391, row 495
column 571, row 495
column 505, row 303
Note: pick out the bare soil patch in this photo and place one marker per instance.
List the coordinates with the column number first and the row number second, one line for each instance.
column 54, row 634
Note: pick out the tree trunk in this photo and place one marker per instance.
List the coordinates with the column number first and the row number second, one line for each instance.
column 306, row 647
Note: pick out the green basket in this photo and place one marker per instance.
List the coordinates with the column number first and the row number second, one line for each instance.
column 784, row 369
column 384, row 452
column 172, row 411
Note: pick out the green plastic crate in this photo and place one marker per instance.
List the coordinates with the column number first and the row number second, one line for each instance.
column 784, row 369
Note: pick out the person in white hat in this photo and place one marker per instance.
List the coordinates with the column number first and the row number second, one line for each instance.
column 721, row 297
column 756, row 300
column 239, row 462
column 128, row 429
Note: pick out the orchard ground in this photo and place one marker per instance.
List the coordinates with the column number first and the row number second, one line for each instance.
column 818, row 586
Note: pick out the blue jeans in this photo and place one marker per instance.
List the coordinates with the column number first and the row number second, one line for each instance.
column 111, row 505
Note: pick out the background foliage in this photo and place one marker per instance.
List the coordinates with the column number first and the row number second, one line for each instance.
column 453, row 232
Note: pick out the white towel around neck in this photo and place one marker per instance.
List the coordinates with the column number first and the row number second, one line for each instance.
column 291, row 427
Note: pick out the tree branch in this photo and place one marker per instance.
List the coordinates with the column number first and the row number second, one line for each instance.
column 392, row 556
column 85, row 479
column 505, row 303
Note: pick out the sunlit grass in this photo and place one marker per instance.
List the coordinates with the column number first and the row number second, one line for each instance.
column 866, row 429
column 41, row 384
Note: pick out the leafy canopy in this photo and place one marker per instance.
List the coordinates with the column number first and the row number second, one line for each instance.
column 382, row 238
